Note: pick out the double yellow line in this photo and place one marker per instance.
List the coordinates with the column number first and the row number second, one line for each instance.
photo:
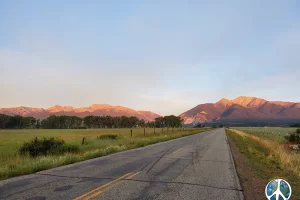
column 97, row 191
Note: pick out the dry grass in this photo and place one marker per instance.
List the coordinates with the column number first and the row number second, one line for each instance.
column 288, row 159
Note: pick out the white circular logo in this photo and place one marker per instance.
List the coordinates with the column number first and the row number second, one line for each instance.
column 278, row 189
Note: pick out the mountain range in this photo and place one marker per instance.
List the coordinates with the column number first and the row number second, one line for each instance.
column 242, row 108
column 96, row 110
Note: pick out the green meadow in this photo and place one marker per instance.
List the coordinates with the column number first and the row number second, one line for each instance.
column 275, row 134
column 13, row 164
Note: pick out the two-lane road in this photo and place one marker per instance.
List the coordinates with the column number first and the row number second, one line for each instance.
column 199, row 166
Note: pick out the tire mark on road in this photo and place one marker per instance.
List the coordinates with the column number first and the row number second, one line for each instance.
column 160, row 158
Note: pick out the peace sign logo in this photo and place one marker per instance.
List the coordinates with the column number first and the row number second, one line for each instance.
column 278, row 189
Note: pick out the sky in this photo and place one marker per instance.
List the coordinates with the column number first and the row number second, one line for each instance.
column 166, row 56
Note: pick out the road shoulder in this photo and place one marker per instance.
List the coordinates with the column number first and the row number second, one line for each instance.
column 253, row 186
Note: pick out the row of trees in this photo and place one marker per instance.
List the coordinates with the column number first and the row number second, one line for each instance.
column 112, row 122
column 73, row 122
column 17, row 121
column 61, row 122
column 168, row 121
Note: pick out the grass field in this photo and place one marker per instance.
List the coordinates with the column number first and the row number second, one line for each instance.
column 268, row 154
column 271, row 133
column 12, row 164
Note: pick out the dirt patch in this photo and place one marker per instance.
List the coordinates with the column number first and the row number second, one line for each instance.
column 253, row 186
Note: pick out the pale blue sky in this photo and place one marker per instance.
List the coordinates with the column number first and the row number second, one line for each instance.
column 164, row 56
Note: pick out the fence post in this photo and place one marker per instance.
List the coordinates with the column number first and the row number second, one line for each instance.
column 131, row 132
column 83, row 140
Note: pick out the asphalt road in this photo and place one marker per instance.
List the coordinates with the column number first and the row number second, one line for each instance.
column 193, row 167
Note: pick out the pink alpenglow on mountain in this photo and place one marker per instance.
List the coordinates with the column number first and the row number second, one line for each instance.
column 58, row 108
column 242, row 108
column 95, row 109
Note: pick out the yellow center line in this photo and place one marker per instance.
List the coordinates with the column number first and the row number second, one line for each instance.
column 133, row 175
column 101, row 191
column 178, row 150
column 98, row 188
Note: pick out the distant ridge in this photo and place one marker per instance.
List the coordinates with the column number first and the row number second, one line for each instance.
column 95, row 109
column 242, row 108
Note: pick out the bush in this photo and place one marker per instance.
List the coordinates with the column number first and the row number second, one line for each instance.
column 46, row 146
column 294, row 137
column 108, row 137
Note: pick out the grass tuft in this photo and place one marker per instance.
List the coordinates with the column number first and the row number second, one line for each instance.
column 108, row 137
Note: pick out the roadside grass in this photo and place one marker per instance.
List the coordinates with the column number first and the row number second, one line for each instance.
column 269, row 159
column 13, row 164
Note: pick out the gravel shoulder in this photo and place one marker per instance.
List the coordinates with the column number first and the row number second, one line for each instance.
column 253, row 186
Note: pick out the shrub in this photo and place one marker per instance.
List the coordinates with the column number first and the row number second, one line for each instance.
column 294, row 137
column 46, row 146
column 108, row 137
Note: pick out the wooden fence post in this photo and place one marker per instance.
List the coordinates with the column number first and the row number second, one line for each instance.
column 83, row 140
